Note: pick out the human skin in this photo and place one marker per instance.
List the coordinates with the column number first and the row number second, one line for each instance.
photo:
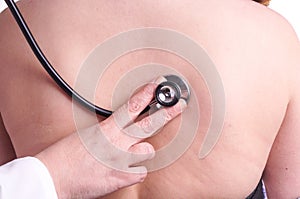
column 81, row 175
column 255, row 51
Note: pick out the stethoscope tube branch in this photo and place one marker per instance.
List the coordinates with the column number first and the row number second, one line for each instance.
column 48, row 67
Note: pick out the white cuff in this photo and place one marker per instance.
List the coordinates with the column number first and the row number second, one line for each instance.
column 26, row 178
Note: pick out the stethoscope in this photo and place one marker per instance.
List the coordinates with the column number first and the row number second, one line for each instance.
column 167, row 93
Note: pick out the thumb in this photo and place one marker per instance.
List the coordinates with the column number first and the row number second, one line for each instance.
column 141, row 152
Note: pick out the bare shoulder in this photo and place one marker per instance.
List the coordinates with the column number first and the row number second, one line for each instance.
column 255, row 50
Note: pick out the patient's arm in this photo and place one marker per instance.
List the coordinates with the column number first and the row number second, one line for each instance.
column 282, row 174
column 7, row 152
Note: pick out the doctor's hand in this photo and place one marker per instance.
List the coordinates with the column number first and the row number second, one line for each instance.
column 112, row 150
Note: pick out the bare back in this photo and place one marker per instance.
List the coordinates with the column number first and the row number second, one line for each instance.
column 247, row 42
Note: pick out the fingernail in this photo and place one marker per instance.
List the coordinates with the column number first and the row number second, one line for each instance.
column 183, row 104
column 180, row 106
column 152, row 154
column 160, row 79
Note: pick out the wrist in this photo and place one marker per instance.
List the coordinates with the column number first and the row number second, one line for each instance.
column 54, row 166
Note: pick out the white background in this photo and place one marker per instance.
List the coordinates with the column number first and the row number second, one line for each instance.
column 290, row 9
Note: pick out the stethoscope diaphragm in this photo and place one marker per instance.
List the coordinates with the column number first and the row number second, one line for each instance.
column 169, row 92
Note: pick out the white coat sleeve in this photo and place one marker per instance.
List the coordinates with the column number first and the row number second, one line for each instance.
column 26, row 178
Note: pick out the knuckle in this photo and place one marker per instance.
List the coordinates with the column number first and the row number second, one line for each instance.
column 121, row 117
column 141, row 99
column 134, row 104
column 146, row 124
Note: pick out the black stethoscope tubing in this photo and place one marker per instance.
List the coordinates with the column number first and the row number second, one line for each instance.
column 48, row 67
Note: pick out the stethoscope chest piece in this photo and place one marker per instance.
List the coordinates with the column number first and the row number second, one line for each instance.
column 169, row 92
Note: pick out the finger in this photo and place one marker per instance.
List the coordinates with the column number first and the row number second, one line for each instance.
column 136, row 104
column 151, row 124
column 140, row 152
column 129, row 177
column 139, row 171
